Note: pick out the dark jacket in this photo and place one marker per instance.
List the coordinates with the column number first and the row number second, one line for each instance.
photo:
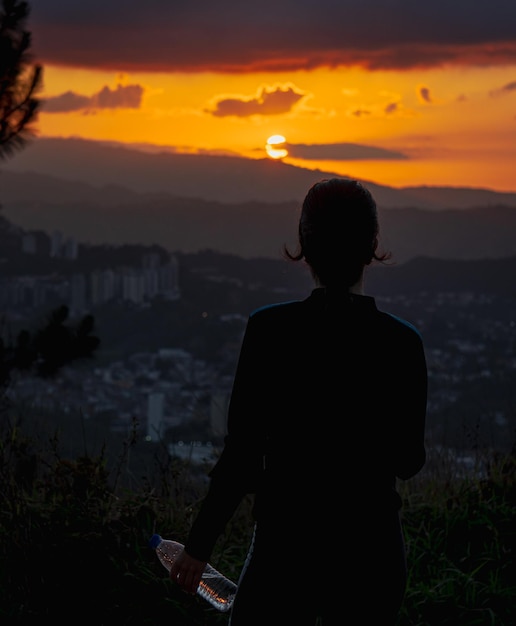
column 327, row 409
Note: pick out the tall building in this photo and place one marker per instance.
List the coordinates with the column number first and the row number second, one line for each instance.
column 169, row 279
column 102, row 286
column 56, row 244
column 29, row 244
column 133, row 286
column 78, row 293
column 71, row 249
column 155, row 410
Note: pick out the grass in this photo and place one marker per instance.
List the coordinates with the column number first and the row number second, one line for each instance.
column 74, row 537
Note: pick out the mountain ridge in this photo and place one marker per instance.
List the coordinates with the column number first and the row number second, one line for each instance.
column 117, row 216
column 222, row 178
column 446, row 223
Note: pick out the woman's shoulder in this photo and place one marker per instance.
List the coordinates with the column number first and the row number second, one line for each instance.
column 402, row 325
column 275, row 310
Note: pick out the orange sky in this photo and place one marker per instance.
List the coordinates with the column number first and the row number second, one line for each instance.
column 377, row 94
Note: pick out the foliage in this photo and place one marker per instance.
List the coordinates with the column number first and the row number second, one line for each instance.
column 49, row 348
column 19, row 81
column 74, row 539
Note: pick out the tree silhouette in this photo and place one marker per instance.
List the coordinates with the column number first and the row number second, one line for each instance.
column 51, row 347
column 57, row 343
column 19, row 80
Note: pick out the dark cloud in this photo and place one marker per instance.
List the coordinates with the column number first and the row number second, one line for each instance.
column 424, row 94
column 360, row 112
column 123, row 97
column 505, row 89
column 340, row 152
column 269, row 101
column 234, row 36
column 66, row 103
column 391, row 108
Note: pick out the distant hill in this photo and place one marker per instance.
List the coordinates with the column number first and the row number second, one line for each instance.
column 223, row 179
column 116, row 215
column 422, row 274
column 104, row 193
column 419, row 275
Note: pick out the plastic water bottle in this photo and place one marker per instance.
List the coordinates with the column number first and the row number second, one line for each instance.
column 214, row 587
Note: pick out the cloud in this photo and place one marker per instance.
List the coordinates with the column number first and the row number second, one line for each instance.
column 391, row 108
column 268, row 101
column 234, row 36
column 123, row 97
column 501, row 91
column 360, row 112
column 424, row 94
column 341, row 152
column 65, row 103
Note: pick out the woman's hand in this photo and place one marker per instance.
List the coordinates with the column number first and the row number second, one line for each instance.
column 187, row 572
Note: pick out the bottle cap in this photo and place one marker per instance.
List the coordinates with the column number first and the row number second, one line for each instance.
column 154, row 541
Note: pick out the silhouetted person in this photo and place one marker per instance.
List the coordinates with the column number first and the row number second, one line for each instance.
column 327, row 412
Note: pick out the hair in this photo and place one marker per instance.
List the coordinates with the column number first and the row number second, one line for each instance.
column 338, row 232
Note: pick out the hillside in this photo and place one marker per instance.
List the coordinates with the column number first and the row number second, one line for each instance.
column 118, row 215
column 225, row 179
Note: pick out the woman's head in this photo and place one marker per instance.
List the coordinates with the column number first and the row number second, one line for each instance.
column 338, row 231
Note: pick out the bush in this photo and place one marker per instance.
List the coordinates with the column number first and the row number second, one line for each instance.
column 74, row 539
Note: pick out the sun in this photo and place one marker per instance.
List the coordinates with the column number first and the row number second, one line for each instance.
column 275, row 147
